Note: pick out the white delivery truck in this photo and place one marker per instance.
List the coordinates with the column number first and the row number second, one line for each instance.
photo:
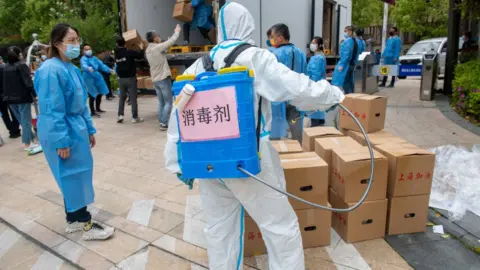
column 305, row 18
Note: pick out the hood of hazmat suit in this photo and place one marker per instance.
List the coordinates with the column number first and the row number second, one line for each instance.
column 225, row 201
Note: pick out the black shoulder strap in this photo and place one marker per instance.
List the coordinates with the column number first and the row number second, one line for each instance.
column 207, row 63
column 232, row 56
column 293, row 59
column 354, row 53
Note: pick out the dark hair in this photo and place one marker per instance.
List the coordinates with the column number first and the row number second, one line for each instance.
column 269, row 32
column 359, row 32
column 319, row 41
column 56, row 36
column 395, row 28
column 281, row 30
column 350, row 28
column 85, row 45
column 13, row 54
column 120, row 41
column 150, row 36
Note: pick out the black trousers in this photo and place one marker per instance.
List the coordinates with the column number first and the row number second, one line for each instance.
column 106, row 77
column 9, row 119
column 186, row 32
column 81, row 215
column 392, row 83
column 94, row 103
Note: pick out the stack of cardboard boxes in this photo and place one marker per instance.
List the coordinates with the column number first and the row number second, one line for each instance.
column 410, row 168
column 306, row 176
column 409, row 185
column 182, row 12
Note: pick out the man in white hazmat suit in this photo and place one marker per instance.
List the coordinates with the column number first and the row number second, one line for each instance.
column 225, row 201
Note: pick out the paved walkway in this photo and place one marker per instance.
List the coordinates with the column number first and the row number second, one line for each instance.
column 425, row 123
column 159, row 221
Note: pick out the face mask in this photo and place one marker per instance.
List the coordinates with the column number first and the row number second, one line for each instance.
column 44, row 57
column 88, row 53
column 391, row 33
column 37, row 60
column 72, row 52
column 313, row 47
column 269, row 43
column 272, row 41
column 345, row 35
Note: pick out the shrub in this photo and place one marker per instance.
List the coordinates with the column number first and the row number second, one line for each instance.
column 466, row 94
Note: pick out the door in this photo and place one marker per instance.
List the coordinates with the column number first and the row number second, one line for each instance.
column 442, row 58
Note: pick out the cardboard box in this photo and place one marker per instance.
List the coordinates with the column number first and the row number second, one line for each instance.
column 351, row 174
column 314, row 227
column 407, row 214
column 182, row 13
column 310, row 134
column 369, row 110
column 287, row 146
column 148, row 83
column 140, row 82
column 133, row 40
column 410, row 169
column 376, row 138
column 306, row 176
column 364, row 223
column 324, row 146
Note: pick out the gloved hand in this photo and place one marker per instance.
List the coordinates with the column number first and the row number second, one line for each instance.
column 186, row 181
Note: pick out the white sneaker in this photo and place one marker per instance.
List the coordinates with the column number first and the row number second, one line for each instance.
column 97, row 232
column 137, row 120
column 74, row 227
column 34, row 149
column 163, row 127
column 120, row 119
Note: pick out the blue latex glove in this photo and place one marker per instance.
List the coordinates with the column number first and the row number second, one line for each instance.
column 188, row 182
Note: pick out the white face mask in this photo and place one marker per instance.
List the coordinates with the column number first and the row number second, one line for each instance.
column 313, row 47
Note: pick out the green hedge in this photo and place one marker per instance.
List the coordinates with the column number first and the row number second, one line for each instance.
column 466, row 94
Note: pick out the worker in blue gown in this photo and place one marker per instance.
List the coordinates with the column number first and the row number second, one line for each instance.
column 92, row 69
column 362, row 45
column 316, row 71
column 391, row 53
column 66, row 131
column 343, row 75
column 284, row 116
column 202, row 20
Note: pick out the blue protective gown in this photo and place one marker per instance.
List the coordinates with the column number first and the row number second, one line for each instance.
column 361, row 45
column 95, row 83
column 317, row 70
column 391, row 53
column 65, row 121
column 296, row 60
column 202, row 15
column 345, row 78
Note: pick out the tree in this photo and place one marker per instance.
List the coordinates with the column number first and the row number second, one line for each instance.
column 427, row 20
column 11, row 17
column 366, row 13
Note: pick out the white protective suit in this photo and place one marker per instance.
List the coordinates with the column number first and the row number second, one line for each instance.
column 224, row 201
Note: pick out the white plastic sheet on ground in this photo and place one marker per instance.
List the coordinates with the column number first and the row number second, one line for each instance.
column 456, row 180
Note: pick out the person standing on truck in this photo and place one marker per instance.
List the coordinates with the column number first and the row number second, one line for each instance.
column 317, row 70
column 292, row 57
column 127, row 79
column 202, row 19
column 391, row 54
column 92, row 69
column 160, row 71
column 225, row 201
column 343, row 75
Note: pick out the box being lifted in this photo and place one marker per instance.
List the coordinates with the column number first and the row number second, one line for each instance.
column 182, row 11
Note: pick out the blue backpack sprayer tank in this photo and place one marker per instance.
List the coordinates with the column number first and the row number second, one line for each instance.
column 219, row 137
